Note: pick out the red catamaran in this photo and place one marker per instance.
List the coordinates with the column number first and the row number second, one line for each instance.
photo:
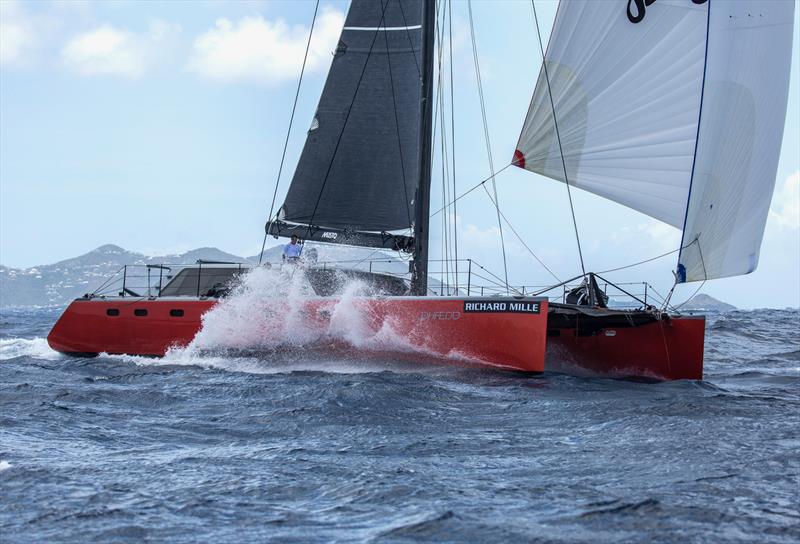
column 674, row 109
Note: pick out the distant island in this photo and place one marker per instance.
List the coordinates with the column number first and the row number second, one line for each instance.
column 707, row 303
column 58, row 283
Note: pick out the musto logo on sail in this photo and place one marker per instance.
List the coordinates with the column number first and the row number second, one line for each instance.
column 637, row 8
column 501, row 306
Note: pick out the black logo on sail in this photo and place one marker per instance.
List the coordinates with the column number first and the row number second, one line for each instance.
column 637, row 8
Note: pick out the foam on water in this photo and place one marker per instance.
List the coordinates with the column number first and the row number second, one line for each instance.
column 275, row 363
column 98, row 450
column 36, row 348
column 275, row 313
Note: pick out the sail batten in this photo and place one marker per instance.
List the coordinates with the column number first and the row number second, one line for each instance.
column 627, row 93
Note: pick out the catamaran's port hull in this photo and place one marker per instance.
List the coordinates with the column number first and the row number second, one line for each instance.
column 504, row 333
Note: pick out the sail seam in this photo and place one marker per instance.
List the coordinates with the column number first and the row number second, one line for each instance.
column 681, row 276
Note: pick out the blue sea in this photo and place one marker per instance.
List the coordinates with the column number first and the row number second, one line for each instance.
column 227, row 449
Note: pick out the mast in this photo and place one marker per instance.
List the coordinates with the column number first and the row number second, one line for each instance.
column 419, row 272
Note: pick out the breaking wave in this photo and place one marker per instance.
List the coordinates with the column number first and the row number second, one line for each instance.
column 380, row 450
column 275, row 312
column 36, row 348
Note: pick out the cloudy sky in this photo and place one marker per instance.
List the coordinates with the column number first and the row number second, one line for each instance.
column 158, row 126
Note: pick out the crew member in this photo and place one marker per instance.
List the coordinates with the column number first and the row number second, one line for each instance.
column 292, row 250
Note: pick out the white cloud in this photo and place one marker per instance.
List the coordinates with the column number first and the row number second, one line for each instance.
column 17, row 36
column 785, row 209
column 113, row 51
column 258, row 50
column 653, row 235
column 660, row 235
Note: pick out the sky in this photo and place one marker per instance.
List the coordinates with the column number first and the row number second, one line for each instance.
column 159, row 126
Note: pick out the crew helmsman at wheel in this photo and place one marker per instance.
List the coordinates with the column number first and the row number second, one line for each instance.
column 292, row 250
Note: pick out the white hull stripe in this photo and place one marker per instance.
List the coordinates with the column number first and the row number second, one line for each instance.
column 382, row 28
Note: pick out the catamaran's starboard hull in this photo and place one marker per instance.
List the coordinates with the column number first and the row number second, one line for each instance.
column 625, row 345
column 502, row 333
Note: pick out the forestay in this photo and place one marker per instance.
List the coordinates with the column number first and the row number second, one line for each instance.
column 359, row 171
column 674, row 108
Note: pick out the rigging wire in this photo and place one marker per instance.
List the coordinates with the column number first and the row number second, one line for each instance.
column 444, row 273
column 367, row 258
column 408, row 35
column 499, row 282
column 690, row 298
column 440, row 102
column 496, row 199
column 447, row 217
column 109, row 279
column 674, row 285
column 446, row 226
column 558, row 136
column 521, row 240
column 666, row 305
column 288, row 132
column 705, row 276
column 397, row 126
column 641, row 262
column 476, row 186
column 453, row 135
column 445, row 197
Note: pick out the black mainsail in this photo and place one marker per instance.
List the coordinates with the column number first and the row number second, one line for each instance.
column 363, row 177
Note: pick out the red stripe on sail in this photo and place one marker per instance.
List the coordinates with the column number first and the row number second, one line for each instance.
column 519, row 159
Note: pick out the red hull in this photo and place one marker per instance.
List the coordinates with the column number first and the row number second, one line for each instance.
column 431, row 328
column 85, row 327
column 668, row 349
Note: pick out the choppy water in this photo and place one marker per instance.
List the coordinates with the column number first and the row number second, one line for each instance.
column 246, row 449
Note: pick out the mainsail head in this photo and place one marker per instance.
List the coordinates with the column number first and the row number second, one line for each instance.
column 359, row 173
column 674, row 108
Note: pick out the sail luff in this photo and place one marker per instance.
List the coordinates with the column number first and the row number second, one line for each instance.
column 681, row 271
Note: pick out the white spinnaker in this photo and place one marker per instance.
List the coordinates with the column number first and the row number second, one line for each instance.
column 627, row 98
column 628, row 95
column 739, row 143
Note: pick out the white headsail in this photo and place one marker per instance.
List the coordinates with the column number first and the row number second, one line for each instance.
column 674, row 108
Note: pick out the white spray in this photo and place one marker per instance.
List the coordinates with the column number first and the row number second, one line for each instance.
column 269, row 311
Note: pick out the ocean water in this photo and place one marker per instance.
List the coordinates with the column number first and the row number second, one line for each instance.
column 213, row 447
